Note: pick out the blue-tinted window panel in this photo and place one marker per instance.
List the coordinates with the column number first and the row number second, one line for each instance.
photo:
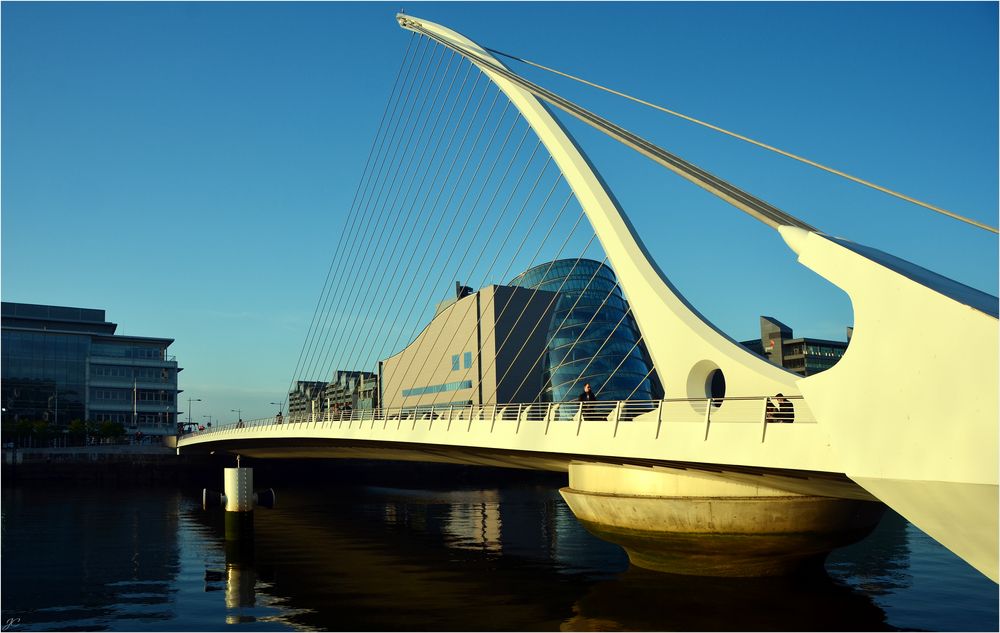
column 450, row 386
column 454, row 363
column 467, row 360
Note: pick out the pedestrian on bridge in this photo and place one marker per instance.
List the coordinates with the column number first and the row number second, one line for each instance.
column 586, row 398
column 779, row 409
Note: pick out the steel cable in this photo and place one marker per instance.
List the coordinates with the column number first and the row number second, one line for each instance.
column 323, row 331
column 407, row 60
column 378, row 248
column 402, row 169
column 747, row 139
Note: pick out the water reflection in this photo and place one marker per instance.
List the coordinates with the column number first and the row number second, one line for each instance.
column 641, row 600
column 239, row 579
column 878, row 564
column 475, row 525
column 426, row 560
column 511, row 557
column 118, row 545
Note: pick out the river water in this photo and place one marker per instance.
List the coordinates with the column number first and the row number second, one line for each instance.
column 460, row 556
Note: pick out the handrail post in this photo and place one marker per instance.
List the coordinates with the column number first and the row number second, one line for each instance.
column 763, row 420
column 659, row 417
column 708, row 416
column 618, row 416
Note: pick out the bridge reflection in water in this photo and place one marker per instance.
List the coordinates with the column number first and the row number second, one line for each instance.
column 476, row 549
column 382, row 558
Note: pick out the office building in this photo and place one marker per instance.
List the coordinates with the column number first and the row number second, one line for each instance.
column 480, row 348
column 804, row 356
column 62, row 364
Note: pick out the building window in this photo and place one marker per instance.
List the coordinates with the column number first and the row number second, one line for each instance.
column 454, row 362
column 467, row 360
column 451, row 386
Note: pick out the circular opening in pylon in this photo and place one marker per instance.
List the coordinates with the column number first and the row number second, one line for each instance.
column 715, row 387
column 706, row 380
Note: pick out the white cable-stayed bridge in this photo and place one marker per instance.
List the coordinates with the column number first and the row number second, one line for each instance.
column 471, row 179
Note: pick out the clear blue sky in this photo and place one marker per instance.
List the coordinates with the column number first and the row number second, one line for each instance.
column 187, row 166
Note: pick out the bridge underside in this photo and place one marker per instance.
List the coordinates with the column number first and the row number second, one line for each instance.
column 794, row 481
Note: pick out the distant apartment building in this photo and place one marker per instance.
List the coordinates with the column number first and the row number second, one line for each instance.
column 61, row 364
column 348, row 389
column 306, row 397
column 804, row 356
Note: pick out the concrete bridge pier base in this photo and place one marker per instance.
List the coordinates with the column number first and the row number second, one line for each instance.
column 239, row 500
column 694, row 523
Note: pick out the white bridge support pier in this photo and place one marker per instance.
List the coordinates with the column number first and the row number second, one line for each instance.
column 239, row 502
column 685, row 522
column 238, row 488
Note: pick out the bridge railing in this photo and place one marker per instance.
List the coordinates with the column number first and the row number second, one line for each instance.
column 762, row 410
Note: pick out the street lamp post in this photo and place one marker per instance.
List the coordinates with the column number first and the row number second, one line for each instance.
column 190, row 400
column 239, row 414
column 281, row 405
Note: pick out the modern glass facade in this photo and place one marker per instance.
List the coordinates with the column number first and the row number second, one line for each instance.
column 44, row 376
column 593, row 336
column 62, row 364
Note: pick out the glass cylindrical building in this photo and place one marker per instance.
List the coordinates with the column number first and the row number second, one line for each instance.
column 592, row 337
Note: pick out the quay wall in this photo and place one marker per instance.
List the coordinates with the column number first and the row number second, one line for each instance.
column 111, row 464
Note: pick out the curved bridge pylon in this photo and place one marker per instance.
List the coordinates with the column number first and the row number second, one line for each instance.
column 912, row 425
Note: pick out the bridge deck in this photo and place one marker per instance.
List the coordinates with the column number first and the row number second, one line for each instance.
column 735, row 437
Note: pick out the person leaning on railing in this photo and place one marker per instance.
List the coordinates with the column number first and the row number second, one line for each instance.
column 779, row 409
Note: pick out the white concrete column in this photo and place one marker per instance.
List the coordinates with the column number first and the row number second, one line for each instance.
column 239, row 489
